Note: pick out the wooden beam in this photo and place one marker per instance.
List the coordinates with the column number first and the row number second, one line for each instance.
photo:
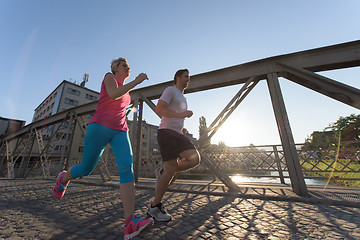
column 286, row 137
column 321, row 59
column 324, row 85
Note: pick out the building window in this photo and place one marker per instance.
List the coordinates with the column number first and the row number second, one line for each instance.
column 73, row 91
column 71, row 102
column 144, row 136
column 90, row 97
column 58, row 147
column 81, row 148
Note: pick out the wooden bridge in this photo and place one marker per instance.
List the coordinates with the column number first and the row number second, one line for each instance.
column 300, row 67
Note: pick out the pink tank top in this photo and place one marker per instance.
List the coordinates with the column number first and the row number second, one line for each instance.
column 111, row 113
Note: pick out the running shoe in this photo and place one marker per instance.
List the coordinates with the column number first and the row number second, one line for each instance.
column 158, row 213
column 136, row 225
column 60, row 188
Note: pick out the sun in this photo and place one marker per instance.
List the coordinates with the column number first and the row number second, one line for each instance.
column 233, row 133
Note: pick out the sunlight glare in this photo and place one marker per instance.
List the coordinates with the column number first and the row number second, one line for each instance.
column 234, row 133
column 239, row 179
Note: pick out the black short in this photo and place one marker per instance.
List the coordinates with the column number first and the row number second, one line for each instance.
column 172, row 143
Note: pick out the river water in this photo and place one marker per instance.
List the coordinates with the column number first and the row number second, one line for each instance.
column 243, row 179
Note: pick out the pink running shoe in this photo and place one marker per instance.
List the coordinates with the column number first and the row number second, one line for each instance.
column 136, row 225
column 59, row 189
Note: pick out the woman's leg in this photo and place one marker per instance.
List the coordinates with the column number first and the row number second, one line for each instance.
column 96, row 138
column 121, row 147
column 127, row 192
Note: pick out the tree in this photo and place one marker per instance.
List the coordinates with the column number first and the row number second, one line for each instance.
column 329, row 138
column 348, row 126
column 203, row 132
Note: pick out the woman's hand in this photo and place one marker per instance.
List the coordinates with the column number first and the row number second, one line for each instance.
column 140, row 78
column 115, row 91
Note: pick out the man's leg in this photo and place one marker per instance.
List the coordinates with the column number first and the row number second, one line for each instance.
column 170, row 167
column 191, row 158
column 155, row 209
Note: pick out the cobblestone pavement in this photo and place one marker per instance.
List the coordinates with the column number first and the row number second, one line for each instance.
column 28, row 211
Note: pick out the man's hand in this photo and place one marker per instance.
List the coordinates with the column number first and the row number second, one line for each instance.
column 187, row 114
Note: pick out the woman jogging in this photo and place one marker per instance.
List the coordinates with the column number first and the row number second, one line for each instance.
column 109, row 125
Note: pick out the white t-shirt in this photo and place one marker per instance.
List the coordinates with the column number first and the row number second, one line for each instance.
column 177, row 103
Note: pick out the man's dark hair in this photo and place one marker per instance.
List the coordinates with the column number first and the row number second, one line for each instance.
column 179, row 73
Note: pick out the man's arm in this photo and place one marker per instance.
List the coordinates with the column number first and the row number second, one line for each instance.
column 163, row 109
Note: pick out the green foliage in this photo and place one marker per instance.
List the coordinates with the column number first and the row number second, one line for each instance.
column 346, row 127
column 203, row 131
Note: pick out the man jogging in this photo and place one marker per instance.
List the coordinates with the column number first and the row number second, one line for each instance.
column 172, row 107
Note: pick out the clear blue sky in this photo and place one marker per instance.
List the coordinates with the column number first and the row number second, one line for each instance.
column 44, row 42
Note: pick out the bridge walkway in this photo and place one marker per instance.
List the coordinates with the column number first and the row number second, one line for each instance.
column 92, row 209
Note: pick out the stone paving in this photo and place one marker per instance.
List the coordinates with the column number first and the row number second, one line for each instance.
column 28, row 211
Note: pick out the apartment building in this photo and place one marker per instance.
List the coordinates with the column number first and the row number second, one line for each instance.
column 65, row 96
column 148, row 139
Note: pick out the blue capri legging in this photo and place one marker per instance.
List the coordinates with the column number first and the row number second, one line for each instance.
column 96, row 138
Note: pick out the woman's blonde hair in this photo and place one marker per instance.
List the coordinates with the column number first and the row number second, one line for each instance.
column 116, row 62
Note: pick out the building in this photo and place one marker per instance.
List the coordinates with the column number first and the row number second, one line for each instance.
column 148, row 141
column 10, row 125
column 65, row 96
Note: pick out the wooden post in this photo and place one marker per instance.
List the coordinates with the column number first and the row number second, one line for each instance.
column 63, row 160
column 138, row 117
column 2, row 155
column 26, row 159
column 68, row 156
column 278, row 164
column 287, row 140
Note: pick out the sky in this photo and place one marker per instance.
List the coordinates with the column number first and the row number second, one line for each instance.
column 45, row 42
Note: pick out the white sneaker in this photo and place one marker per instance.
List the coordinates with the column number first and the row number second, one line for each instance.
column 158, row 213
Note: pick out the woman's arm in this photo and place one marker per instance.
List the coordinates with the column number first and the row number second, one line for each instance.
column 114, row 91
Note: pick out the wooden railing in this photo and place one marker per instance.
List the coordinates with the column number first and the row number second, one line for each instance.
column 300, row 67
column 320, row 162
